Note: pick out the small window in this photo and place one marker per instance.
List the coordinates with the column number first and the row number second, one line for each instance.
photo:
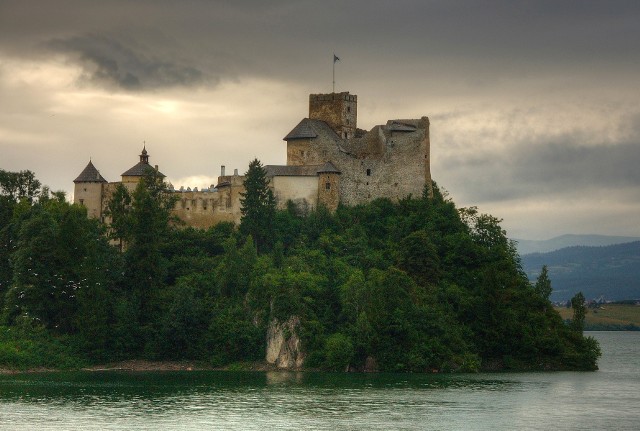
column 368, row 172
column 348, row 108
column 327, row 186
column 85, row 190
column 82, row 202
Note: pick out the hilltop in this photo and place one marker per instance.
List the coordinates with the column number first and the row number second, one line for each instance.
column 415, row 285
column 528, row 246
column 611, row 272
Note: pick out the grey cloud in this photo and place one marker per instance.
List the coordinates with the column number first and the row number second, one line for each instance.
column 108, row 62
column 546, row 166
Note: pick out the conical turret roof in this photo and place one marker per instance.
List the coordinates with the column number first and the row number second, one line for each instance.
column 90, row 175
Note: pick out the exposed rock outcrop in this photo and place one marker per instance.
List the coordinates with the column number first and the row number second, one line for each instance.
column 283, row 344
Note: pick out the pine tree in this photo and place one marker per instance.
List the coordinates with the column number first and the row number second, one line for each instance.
column 119, row 209
column 579, row 312
column 258, row 206
column 543, row 284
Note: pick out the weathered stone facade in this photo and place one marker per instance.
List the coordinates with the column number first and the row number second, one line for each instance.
column 329, row 161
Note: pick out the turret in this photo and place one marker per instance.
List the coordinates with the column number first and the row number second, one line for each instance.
column 329, row 186
column 88, row 190
column 132, row 176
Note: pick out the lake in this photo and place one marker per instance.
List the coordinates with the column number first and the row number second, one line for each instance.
column 605, row 399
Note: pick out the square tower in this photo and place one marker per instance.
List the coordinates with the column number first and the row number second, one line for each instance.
column 338, row 110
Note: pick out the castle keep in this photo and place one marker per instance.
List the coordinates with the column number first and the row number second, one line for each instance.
column 329, row 161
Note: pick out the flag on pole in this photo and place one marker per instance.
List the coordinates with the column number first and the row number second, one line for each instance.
column 335, row 58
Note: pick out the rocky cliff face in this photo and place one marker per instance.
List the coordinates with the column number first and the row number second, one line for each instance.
column 283, row 344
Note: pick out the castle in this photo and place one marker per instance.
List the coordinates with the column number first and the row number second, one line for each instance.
column 329, row 161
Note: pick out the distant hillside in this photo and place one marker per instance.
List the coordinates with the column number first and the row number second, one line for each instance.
column 526, row 246
column 612, row 271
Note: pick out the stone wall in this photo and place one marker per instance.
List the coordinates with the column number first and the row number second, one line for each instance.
column 329, row 190
column 300, row 152
column 302, row 190
column 338, row 110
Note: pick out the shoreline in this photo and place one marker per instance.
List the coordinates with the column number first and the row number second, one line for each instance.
column 142, row 365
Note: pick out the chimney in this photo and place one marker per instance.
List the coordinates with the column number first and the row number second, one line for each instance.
column 156, row 167
column 235, row 172
column 222, row 171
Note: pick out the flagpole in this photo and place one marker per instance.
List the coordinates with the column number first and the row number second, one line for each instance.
column 334, row 73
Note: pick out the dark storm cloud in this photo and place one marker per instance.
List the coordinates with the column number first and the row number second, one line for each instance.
column 108, row 62
column 547, row 166
column 475, row 42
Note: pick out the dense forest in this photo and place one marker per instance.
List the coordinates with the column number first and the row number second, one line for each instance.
column 414, row 285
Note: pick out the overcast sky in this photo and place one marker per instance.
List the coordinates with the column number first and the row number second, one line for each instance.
column 534, row 105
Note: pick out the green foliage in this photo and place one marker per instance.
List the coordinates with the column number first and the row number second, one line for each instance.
column 19, row 185
column 543, row 284
column 414, row 285
column 258, row 206
column 579, row 312
column 339, row 352
column 27, row 345
column 145, row 266
column 119, row 211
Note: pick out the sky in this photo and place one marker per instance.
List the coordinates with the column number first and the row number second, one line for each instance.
column 534, row 105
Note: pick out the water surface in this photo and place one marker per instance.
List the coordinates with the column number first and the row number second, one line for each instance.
column 606, row 399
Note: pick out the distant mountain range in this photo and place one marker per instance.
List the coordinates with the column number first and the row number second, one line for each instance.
column 527, row 246
column 611, row 271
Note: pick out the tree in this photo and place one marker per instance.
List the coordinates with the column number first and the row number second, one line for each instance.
column 258, row 206
column 19, row 185
column 419, row 258
column 59, row 256
column 119, row 209
column 543, row 284
column 579, row 312
column 145, row 266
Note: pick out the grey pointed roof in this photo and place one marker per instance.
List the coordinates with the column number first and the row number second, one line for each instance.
column 329, row 168
column 138, row 170
column 90, row 175
column 303, row 130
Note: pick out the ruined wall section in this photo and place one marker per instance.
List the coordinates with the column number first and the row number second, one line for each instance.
column 383, row 163
column 206, row 208
column 394, row 166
